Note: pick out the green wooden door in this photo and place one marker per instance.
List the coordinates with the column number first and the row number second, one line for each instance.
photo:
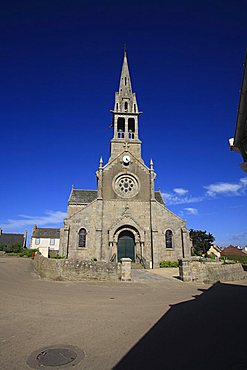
column 126, row 246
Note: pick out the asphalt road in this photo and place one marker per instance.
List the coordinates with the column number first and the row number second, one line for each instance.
column 115, row 324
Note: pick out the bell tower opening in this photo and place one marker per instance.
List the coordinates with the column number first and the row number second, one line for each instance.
column 131, row 128
column 120, row 127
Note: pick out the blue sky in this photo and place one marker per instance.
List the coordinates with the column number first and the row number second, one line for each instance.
column 60, row 65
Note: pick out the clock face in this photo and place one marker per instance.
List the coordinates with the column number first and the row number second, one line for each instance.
column 126, row 159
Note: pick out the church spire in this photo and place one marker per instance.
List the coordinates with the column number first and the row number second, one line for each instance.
column 125, row 99
column 125, row 116
column 125, row 88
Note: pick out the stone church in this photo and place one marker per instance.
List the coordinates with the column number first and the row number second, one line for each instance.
column 125, row 216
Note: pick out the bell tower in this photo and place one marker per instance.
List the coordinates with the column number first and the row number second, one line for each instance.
column 125, row 117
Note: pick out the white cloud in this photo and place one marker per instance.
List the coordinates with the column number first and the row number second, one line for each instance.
column 227, row 188
column 24, row 221
column 191, row 211
column 180, row 191
column 243, row 181
column 173, row 198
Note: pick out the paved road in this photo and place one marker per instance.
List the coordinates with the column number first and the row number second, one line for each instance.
column 104, row 319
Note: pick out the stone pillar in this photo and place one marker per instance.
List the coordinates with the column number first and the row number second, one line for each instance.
column 152, row 179
column 142, row 248
column 110, row 250
column 64, row 241
column 99, row 175
column 185, row 269
column 125, row 269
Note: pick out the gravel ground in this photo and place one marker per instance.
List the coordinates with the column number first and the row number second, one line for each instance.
column 106, row 320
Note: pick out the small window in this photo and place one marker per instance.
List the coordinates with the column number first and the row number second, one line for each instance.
column 125, row 81
column 126, row 106
column 82, row 238
column 37, row 241
column 52, row 241
column 169, row 239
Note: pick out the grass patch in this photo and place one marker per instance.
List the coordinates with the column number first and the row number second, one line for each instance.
column 164, row 264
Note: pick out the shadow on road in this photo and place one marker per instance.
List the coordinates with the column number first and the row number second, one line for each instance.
column 208, row 332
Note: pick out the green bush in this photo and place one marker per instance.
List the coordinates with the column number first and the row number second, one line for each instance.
column 240, row 259
column 16, row 248
column 27, row 252
column 168, row 264
column 57, row 257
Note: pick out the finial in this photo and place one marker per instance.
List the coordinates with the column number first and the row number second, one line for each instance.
column 72, row 186
column 101, row 162
column 124, row 49
column 151, row 164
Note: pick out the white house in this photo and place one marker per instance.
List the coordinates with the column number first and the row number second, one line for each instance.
column 45, row 240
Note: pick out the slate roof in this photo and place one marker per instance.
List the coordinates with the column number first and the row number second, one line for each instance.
column 11, row 239
column 42, row 232
column 82, row 196
column 158, row 197
column 87, row 196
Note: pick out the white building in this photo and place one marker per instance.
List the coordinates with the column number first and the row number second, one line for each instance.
column 45, row 240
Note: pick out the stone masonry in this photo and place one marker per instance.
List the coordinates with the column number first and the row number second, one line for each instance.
column 65, row 269
column 209, row 271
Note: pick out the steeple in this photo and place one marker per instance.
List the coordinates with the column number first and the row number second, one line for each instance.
column 125, row 99
column 125, row 83
column 125, row 115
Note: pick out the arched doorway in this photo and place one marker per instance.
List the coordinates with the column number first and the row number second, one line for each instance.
column 126, row 245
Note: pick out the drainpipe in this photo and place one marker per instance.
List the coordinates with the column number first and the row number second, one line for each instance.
column 182, row 239
column 152, row 177
column 67, row 252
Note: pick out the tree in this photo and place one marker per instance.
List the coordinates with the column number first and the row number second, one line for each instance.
column 201, row 242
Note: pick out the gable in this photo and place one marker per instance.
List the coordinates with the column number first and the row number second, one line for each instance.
column 135, row 171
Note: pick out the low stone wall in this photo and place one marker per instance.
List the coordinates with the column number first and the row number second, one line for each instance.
column 65, row 269
column 209, row 271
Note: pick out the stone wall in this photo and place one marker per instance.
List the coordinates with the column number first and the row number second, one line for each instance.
column 209, row 271
column 65, row 269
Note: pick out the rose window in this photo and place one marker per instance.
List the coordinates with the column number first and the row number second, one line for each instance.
column 126, row 186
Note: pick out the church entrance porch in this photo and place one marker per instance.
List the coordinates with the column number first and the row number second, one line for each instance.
column 126, row 245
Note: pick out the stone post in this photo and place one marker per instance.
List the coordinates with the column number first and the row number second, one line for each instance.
column 125, row 269
column 185, row 269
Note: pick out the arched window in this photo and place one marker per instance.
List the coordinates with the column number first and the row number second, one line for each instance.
column 169, row 239
column 126, row 106
column 82, row 238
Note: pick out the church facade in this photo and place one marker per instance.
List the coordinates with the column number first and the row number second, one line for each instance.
column 125, row 216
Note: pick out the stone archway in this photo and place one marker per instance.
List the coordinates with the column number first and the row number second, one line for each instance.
column 126, row 245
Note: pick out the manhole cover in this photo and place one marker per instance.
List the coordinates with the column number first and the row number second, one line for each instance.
column 55, row 357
